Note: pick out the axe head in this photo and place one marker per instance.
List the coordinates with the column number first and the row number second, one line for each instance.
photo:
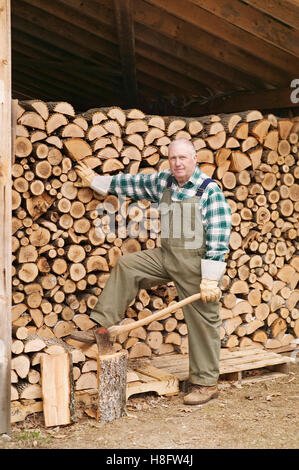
column 104, row 343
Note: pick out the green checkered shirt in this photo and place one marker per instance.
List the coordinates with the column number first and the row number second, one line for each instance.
column 215, row 210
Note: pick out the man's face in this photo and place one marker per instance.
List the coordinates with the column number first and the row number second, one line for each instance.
column 181, row 161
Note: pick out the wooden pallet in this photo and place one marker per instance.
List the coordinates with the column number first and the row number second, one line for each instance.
column 233, row 364
column 163, row 374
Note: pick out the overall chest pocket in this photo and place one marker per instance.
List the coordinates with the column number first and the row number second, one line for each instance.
column 181, row 224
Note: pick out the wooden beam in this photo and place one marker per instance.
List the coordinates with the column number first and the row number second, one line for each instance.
column 72, row 17
column 286, row 11
column 204, row 63
column 194, row 26
column 76, row 34
column 126, row 40
column 67, row 65
column 158, row 86
column 251, row 20
column 179, row 51
column 20, row 88
column 46, row 34
column 83, row 75
column 237, row 102
column 56, row 87
column 176, row 78
column 203, row 81
column 5, row 214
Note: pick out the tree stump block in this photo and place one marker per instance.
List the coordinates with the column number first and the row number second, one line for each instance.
column 112, row 383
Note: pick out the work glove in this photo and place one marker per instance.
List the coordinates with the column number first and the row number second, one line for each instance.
column 86, row 174
column 209, row 290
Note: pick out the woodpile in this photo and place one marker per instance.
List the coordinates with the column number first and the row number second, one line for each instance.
column 63, row 251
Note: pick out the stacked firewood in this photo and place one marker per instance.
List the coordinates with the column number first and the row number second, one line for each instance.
column 66, row 239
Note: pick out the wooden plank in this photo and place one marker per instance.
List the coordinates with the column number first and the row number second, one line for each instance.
column 230, row 361
column 123, row 10
column 204, row 32
column 60, row 79
column 64, row 30
column 69, row 76
column 162, row 73
column 158, row 83
column 160, row 42
column 5, row 215
column 286, row 11
column 245, row 353
column 58, row 32
column 57, row 393
column 144, row 378
column 262, row 378
column 249, row 19
column 20, row 410
column 40, row 32
column 248, row 366
column 69, row 16
column 155, row 373
column 204, row 63
column 251, row 360
column 165, row 387
column 131, row 375
column 14, row 110
column 242, row 101
column 199, row 79
column 52, row 64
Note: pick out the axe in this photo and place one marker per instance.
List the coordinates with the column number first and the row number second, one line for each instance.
column 104, row 336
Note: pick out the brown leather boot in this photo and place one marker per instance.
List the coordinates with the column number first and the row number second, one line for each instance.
column 199, row 394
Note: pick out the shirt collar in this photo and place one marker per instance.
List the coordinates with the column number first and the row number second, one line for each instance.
column 194, row 180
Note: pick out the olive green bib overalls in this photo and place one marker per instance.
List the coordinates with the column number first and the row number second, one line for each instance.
column 178, row 260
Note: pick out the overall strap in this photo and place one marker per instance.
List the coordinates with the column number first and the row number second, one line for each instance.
column 203, row 186
column 169, row 181
column 200, row 190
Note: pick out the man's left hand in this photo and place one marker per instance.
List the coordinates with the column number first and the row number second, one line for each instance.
column 209, row 290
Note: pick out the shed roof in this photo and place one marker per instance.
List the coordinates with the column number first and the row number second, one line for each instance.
column 194, row 57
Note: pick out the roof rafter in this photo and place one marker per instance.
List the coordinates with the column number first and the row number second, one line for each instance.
column 199, row 61
column 229, row 43
column 286, row 11
column 56, row 21
column 199, row 79
column 70, row 76
column 185, row 54
column 252, row 21
column 32, row 31
column 126, row 40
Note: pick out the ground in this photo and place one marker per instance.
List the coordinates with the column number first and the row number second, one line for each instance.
column 262, row 415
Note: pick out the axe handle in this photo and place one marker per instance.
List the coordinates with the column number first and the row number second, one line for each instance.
column 118, row 329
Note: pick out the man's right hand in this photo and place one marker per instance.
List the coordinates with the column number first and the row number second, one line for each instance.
column 86, row 174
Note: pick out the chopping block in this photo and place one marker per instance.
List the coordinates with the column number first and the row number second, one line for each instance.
column 111, row 385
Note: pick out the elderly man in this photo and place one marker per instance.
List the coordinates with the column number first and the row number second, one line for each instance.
column 195, row 232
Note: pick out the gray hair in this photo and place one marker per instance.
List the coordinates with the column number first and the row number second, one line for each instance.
column 187, row 143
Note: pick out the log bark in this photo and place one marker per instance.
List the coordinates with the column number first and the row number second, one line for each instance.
column 112, row 382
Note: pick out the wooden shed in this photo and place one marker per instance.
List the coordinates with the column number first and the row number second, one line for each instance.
column 191, row 58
